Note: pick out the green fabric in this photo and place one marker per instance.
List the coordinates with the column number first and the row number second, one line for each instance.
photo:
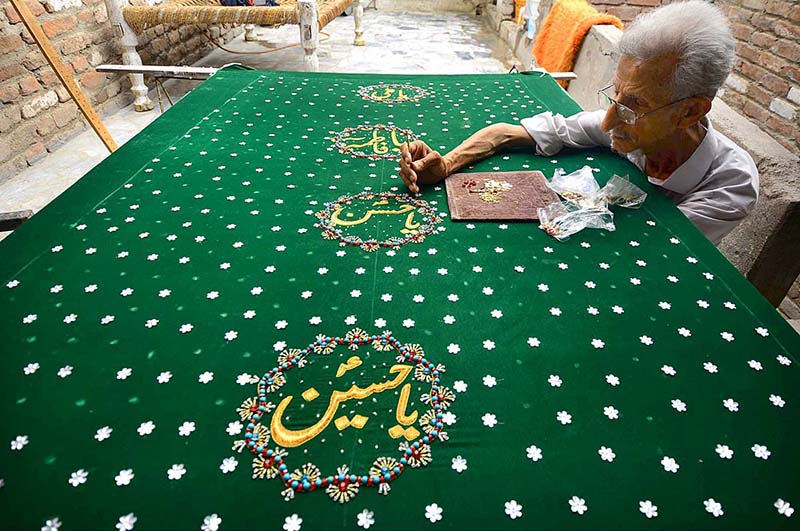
column 501, row 339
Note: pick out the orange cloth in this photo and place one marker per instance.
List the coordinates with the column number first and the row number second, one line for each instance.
column 560, row 37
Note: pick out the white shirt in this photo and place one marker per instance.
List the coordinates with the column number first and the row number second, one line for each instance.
column 715, row 188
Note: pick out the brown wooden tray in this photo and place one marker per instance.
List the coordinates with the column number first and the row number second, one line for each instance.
column 514, row 195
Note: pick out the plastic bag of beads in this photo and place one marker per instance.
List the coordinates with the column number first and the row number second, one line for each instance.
column 598, row 218
column 620, row 191
column 579, row 187
column 561, row 220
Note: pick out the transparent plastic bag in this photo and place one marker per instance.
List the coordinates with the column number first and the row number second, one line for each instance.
column 620, row 191
column 562, row 220
column 579, row 187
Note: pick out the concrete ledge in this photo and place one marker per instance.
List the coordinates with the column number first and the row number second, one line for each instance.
column 595, row 65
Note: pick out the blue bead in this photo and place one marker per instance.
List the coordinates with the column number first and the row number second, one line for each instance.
column 295, row 483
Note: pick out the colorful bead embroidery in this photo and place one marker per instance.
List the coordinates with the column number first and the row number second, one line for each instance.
column 337, row 222
column 392, row 93
column 371, row 142
column 270, row 463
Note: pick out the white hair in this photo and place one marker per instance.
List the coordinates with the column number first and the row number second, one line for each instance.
column 697, row 33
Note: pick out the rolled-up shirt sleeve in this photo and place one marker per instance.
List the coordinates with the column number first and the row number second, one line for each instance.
column 552, row 132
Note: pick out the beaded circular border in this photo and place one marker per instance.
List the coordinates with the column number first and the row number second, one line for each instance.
column 339, row 141
column 344, row 485
column 365, row 92
column 332, row 232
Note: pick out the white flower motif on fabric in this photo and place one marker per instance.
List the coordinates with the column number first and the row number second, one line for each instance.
column 211, row 523
column 534, row 342
column 598, row 343
column 460, row 386
column 365, row 519
column 433, row 513
column 124, row 374
column 783, row 360
column 30, row 368
column 186, row 429
column 449, row 418
column 761, row 451
column 679, row 405
column 606, row 454
column 146, row 428
column 617, row 309
column 668, row 370
column 647, row 508
column 763, row 332
column 554, row 380
column 489, row 381
column 513, row 509
column 710, row 367
column 19, row 442
column 724, row 451
column 459, row 464
column 784, row 508
column 591, row 310
column 669, row 464
column 349, row 320
column 611, row 412
column 205, row 377
column 78, row 477
column 103, row 433
column 646, row 340
column 65, row 371
column 534, row 453
column 564, row 418
column 685, row 332
column 126, row 522
column 543, row 287
column 234, row 428
column 497, row 314
column 176, row 472
column 578, row 505
column 713, row 507
column 53, row 524
column 489, row 420
column 755, row 365
column 731, row 404
column 777, row 401
column 664, row 305
column 164, row 377
column 453, row 348
column 555, row 312
column 727, row 336
column 124, row 477
column 612, row 380
column 488, row 344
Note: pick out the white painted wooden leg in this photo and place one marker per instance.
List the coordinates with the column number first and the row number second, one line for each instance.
column 128, row 40
column 309, row 32
column 250, row 32
column 358, row 19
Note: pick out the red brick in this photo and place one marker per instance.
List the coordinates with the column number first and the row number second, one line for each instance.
column 786, row 29
column 85, row 16
column 13, row 18
column 12, row 70
column 45, row 125
column 79, row 64
column 788, row 144
column 776, row 123
column 755, row 111
column 753, row 4
column 100, row 14
column 763, row 40
column 65, row 114
column 745, row 51
column 34, row 59
column 791, row 72
column 59, row 25
column 10, row 43
column 737, row 14
column 93, row 80
column 75, row 43
column 789, row 50
column 48, row 78
column 763, row 21
column 35, row 153
column 649, row 3
column 8, row 93
column 29, row 85
column 624, row 13
column 752, row 71
column 778, row 7
column 741, row 31
column 772, row 62
column 794, row 14
column 775, row 84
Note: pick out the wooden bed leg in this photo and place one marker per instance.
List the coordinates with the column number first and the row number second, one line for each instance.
column 309, row 32
column 250, row 32
column 358, row 18
column 128, row 40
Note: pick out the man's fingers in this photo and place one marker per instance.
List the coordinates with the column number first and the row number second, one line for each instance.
column 420, row 165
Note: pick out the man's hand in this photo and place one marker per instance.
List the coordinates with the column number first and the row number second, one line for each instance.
column 419, row 164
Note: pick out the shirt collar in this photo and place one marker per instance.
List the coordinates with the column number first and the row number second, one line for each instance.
column 689, row 174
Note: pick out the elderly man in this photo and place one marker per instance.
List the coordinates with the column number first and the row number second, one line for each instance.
column 673, row 61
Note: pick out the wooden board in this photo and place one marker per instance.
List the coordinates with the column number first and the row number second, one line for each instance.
column 514, row 195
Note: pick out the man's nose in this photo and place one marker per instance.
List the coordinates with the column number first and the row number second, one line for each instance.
column 611, row 119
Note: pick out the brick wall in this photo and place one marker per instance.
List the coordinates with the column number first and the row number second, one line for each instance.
column 765, row 85
column 36, row 112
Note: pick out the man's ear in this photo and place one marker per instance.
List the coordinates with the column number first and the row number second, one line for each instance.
column 692, row 110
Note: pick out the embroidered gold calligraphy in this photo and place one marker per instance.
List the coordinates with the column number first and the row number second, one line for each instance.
column 409, row 227
column 289, row 438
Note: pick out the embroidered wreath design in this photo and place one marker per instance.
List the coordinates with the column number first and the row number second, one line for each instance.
column 411, row 93
column 344, row 485
column 373, row 142
column 332, row 230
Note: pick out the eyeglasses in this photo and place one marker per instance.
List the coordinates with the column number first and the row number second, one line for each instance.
column 626, row 114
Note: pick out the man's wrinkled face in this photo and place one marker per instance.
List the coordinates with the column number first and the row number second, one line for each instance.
column 642, row 86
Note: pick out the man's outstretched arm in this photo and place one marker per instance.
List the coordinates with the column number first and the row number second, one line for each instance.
column 419, row 164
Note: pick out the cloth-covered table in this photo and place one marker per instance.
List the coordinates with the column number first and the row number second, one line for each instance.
column 240, row 321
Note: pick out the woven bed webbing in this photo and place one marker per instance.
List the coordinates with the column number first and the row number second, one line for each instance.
column 185, row 12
